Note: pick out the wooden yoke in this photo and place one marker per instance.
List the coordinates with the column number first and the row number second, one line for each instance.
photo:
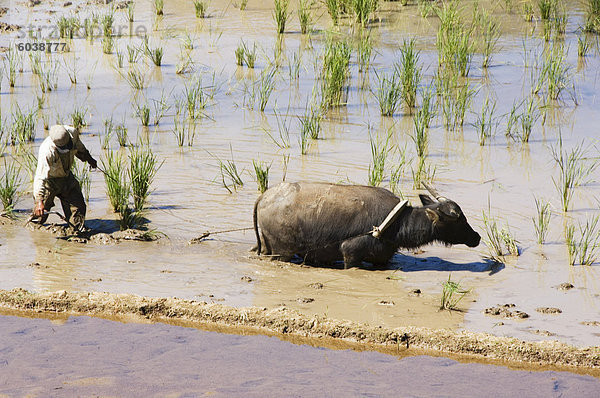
column 391, row 217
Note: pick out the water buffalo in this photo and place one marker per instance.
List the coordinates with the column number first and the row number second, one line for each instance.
column 325, row 223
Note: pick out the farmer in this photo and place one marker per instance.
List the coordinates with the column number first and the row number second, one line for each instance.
column 53, row 176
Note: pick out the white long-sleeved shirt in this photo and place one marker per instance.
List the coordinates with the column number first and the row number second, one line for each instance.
column 54, row 162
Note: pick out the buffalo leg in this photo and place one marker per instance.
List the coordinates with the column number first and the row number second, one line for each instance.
column 351, row 251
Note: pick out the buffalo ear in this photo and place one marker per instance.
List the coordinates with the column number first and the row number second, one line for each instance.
column 432, row 215
column 426, row 200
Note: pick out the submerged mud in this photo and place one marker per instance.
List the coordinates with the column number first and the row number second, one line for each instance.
column 285, row 321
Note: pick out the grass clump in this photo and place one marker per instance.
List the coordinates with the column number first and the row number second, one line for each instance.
column 592, row 16
column 230, row 176
column 143, row 166
column 379, row 153
column 9, row 187
column 452, row 294
column 388, row 92
column 583, row 249
column 158, row 6
column 304, row 15
column 78, row 118
column 409, row 72
column 364, row 49
column 573, row 170
column 541, row 221
column 500, row 241
column 281, row 14
column 335, row 74
column 200, row 7
column 261, row 171
column 310, row 124
column 485, row 121
column 363, row 10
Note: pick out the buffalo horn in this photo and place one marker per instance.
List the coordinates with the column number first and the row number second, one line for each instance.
column 435, row 193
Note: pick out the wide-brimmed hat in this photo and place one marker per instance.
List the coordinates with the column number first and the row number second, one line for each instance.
column 60, row 134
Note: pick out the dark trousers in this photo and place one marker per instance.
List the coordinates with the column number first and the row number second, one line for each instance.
column 67, row 189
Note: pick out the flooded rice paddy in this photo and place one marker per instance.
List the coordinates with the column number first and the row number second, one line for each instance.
column 501, row 178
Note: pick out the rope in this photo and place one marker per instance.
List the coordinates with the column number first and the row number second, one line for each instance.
column 207, row 234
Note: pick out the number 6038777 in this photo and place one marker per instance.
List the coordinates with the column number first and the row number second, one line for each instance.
column 41, row 46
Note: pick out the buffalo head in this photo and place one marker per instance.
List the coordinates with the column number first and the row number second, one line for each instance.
column 449, row 223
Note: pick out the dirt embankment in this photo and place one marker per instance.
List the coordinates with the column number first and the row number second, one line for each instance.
column 289, row 322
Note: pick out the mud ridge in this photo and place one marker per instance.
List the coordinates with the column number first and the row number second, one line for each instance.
column 289, row 322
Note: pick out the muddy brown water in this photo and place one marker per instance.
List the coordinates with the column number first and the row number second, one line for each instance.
column 189, row 200
column 82, row 356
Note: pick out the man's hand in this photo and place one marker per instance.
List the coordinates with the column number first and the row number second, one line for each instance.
column 93, row 163
column 39, row 209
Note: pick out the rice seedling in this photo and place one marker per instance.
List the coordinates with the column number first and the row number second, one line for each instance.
column 423, row 173
column 409, row 72
column 115, row 178
column 570, row 242
column 90, row 77
column 107, row 44
column 35, row 60
column 143, row 112
column 364, row 50
column 587, row 246
column 45, row 121
column 200, row 7
column 261, row 171
column 108, row 130
column 583, row 45
column 452, row 294
column 310, row 122
column 239, row 55
column 155, row 55
column 294, row 66
column 249, row 55
column 420, row 136
column 592, row 16
column 333, row 8
column 120, row 58
column 121, row 133
column 455, row 47
column 133, row 54
column 283, row 125
column 541, row 221
column 500, row 242
column 426, row 112
column 180, row 128
column 490, row 36
column 573, row 171
column 9, row 187
column 23, row 126
column 335, row 74
column 26, row 159
column 106, row 21
column 13, row 63
column 266, row 85
column 71, row 68
column 161, row 106
column 195, row 98
column 527, row 119
column 243, row 4
column 158, row 6
column 67, row 26
column 134, row 77
column 78, row 117
column 82, row 174
column 281, row 14
column 130, row 11
column 185, row 63
column 396, row 175
column 388, row 92
column 379, row 153
column 304, row 139
column 230, row 176
column 426, row 8
column 363, row 10
column 143, row 166
column 304, row 15
column 547, row 8
column 556, row 75
column 484, row 125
